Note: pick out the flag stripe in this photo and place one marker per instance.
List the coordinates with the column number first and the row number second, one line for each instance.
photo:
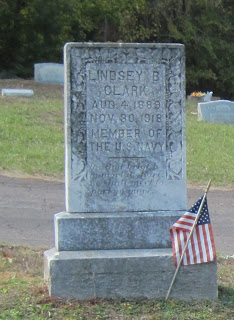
column 199, row 245
column 203, row 244
column 181, row 246
column 212, row 242
column 185, row 228
column 190, row 250
column 186, row 235
column 174, row 245
column 206, row 242
column 210, row 247
column 184, row 223
column 193, row 249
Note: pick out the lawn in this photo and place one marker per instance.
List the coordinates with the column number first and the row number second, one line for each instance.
column 23, row 295
column 32, row 141
column 210, row 150
column 31, row 131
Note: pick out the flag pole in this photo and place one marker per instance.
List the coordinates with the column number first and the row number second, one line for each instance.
column 190, row 235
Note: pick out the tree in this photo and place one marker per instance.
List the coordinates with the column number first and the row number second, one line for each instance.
column 10, row 30
column 33, row 32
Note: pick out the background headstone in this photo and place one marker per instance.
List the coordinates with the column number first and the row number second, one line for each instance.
column 51, row 73
column 208, row 96
column 17, row 92
column 220, row 111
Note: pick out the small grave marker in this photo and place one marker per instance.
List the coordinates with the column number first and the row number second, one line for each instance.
column 17, row 92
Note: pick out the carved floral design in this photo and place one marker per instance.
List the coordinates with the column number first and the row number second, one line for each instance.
column 172, row 59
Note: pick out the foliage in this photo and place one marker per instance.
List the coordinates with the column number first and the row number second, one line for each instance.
column 32, row 32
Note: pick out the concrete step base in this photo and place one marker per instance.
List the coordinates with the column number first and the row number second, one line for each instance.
column 128, row 274
column 114, row 231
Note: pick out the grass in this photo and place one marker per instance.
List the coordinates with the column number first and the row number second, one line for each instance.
column 23, row 295
column 31, row 134
column 31, row 141
column 31, row 138
column 210, row 150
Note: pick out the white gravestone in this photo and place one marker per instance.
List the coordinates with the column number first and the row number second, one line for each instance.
column 220, row 111
column 51, row 73
column 17, row 92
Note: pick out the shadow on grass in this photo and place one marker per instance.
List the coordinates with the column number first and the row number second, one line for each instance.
column 226, row 295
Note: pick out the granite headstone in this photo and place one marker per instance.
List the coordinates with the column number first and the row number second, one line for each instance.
column 125, row 175
column 125, row 140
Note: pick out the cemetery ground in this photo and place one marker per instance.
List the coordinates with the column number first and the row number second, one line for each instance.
column 23, row 295
column 31, row 144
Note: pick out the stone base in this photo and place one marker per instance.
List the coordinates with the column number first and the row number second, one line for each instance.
column 128, row 274
column 114, row 231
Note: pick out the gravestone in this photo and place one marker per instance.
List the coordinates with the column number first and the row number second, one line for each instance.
column 220, row 111
column 17, row 92
column 208, row 96
column 51, row 73
column 125, row 176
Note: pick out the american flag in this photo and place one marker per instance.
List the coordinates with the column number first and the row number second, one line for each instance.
column 201, row 247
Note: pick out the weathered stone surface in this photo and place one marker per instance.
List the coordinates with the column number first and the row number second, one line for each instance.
column 125, row 176
column 109, row 231
column 126, row 274
column 17, row 92
column 52, row 73
column 220, row 111
column 125, row 141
